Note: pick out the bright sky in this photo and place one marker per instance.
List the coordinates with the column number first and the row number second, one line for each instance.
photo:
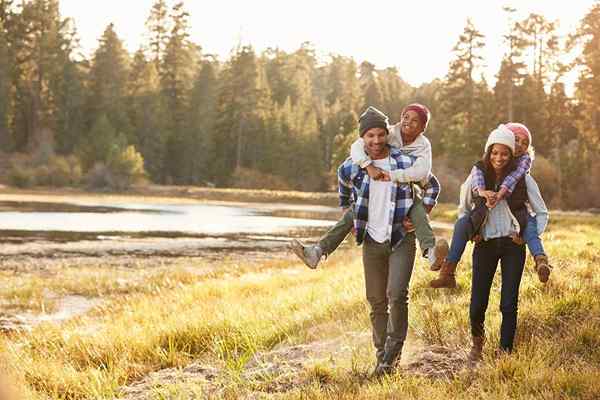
column 417, row 36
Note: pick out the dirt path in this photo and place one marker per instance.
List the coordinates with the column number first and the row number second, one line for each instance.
column 272, row 373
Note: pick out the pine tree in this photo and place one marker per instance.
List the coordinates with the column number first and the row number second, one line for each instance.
column 176, row 78
column 147, row 114
column 108, row 81
column 157, row 25
column 41, row 46
column 463, row 136
column 242, row 103
column 588, row 83
column 371, row 90
column 200, row 137
column 511, row 69
column 5, row 86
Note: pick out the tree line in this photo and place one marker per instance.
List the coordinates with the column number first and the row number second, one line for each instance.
column 280, row 119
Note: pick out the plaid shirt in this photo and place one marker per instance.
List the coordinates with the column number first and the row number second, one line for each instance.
column 523, row 166
column 354, row 191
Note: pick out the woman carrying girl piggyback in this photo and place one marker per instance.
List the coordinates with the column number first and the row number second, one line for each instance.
column 532, row 219
column 503, row 223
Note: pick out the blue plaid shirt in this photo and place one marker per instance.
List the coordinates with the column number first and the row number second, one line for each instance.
column 354, row 191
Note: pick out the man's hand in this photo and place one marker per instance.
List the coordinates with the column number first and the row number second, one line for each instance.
column 428, row 208
column 477, row 238
column 408, row 225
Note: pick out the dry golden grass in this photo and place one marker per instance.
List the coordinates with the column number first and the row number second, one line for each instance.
column 161, row 318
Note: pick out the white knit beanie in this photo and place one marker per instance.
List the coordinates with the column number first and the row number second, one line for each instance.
column 501, row 135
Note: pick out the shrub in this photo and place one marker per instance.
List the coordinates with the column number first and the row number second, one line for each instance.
column 22, row 177
column 546, row 176
column 99, row 177
column 450, row 179
column 121, row 172
column 127, row 167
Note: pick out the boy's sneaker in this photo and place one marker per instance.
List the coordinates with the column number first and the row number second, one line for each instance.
column 437, row 254
column 311, row 255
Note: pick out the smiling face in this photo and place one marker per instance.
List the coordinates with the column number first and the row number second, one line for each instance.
column 521, row 143
column 376, row 143
column 411, row 126
column 500, row 155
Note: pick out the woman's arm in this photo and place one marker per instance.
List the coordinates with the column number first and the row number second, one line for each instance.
column 466, row 197
column 537, row 203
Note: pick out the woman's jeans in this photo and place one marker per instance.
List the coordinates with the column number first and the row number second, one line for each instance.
column 463, row 232
column 485, row 261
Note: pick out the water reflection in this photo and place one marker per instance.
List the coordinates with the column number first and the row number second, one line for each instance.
column 44, row 229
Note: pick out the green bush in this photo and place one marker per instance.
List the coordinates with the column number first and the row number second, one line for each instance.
column 546, row 176
column 22, row 177
column 122, row 170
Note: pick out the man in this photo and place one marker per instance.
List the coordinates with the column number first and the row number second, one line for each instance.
column 380, row 209
column 408, row 136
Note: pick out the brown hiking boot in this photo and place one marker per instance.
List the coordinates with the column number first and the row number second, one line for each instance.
column 542, row 267
column 446, row 278
column 437, row 254
column 475, row 354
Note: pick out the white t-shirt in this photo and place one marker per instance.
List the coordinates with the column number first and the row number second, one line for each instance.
column 380, row 201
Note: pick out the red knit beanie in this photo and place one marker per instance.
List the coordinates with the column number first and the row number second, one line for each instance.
column 516, row 127
column 422, row 111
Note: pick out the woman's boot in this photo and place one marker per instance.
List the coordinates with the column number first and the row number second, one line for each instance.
column 446, row 278
column 477, row 349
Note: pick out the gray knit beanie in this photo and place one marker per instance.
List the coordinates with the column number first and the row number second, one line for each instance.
column 372, row 118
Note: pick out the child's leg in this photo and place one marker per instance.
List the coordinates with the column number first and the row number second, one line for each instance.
column 463, row 232
column 534, row 242
column 337, row 233
column 435, row 250
column 531, row 237
column 311, row 255
column 420, row 220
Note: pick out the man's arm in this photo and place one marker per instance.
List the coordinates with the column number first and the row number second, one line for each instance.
column 345, row 184
column 432, row 192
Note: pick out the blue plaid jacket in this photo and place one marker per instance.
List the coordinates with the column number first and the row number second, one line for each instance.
column 354, row 191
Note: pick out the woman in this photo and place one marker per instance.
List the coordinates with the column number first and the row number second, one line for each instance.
column 498, row 240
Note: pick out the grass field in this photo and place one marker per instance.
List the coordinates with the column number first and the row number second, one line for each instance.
column 274, row 329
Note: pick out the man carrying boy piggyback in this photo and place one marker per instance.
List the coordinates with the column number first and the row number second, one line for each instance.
column 408, row 137
column 379, row 211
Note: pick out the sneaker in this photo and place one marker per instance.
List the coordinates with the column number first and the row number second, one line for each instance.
column 437, row 254
column 311, row 255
